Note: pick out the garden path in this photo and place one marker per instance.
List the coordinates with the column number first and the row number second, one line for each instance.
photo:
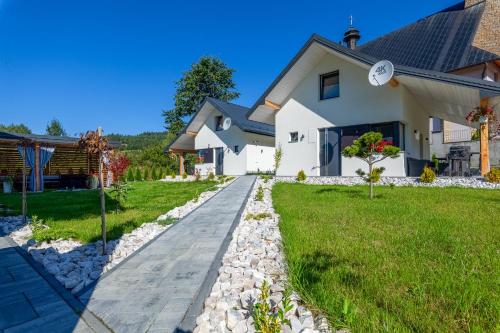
column 162, row 287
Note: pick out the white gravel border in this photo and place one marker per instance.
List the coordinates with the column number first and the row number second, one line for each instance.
column 468, row 182
column 254, row 254
column 76, row 265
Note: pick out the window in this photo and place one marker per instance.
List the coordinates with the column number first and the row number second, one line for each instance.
column 219, row 120
column 206, row 155
column 392, row 132
column 329, row 85
column 437, row 125
column 294, row 137
column 236, row 149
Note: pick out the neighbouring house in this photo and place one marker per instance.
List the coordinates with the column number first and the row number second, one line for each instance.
column 55, row 162
column 322, row 100
column 225, row 140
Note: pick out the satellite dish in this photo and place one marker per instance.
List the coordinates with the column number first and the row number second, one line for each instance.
column 381, row 73
column 226, row 124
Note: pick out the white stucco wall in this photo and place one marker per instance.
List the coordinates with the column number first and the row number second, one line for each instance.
column 358, row 103
column 205, row 168
column 260, row 158
column 234, row 163
column 394, row 167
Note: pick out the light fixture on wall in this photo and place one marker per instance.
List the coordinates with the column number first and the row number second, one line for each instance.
column 417, row 135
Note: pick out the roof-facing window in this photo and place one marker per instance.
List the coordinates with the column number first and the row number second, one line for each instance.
column 329, row 85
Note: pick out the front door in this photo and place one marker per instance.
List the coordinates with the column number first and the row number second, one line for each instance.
column 219, row 161
column 329, row 152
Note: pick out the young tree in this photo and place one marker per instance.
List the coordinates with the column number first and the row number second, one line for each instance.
column 95, row 144
column 55, row 128
column 209, row 77
column 278, row 154
column 371, row 149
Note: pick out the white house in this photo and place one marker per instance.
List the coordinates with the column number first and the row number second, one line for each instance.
column 322, row 100
column 245, row 146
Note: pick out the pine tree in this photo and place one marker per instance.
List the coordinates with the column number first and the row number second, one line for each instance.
column 154, row 174
column 130, row 175
column 138, row 175
column 146, row 174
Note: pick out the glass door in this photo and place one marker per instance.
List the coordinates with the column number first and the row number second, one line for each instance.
column 329, row 152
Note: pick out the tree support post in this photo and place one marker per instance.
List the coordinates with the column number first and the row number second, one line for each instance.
column 101, row 195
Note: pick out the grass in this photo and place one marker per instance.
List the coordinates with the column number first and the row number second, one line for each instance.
column 410, row 260
column 77, row 214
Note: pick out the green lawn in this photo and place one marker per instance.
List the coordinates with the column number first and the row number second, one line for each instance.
column 77, row 214
column 410, row 260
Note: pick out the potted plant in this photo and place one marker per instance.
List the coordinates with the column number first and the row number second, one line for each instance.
column 7, row 184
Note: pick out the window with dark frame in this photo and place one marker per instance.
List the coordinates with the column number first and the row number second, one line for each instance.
column 329, row 85
column 207, row 155
column 437, row 125
column 236, row 149
column 392, row 132
column 219, row 121
column 294, row 137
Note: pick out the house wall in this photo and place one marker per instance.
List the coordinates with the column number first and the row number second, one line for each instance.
column 358, row 103
column 234, row 163
column 260, row 158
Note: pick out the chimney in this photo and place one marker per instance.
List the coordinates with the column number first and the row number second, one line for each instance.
column 351, row 36
column 488, row 30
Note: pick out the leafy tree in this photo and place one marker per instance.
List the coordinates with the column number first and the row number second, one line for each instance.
column 15, row 128
column 371, row 149
column 95, row 144
column 209, row 77
column 55, row 128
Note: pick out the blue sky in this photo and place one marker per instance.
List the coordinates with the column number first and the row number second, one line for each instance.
column 114, row 63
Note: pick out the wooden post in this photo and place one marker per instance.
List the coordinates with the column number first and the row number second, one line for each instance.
column 24, row 203
column 483, row 148
column 181, row 164
column 37, row 168
column 101, row 195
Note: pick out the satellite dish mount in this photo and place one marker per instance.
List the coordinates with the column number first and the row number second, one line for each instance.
column 226, row 124
column 381, row 73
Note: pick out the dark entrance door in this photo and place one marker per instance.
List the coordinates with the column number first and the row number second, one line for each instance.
column 329, row 152
column 219, row 161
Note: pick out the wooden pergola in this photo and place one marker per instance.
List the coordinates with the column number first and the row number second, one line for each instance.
column 68, row 159
column 180, row 153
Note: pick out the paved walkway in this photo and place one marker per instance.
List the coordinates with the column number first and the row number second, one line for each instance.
column 28, row 303
column 162, row 287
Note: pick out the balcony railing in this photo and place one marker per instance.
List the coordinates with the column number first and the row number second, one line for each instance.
column 458, row 135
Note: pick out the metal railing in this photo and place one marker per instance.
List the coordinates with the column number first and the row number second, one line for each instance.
column 458, row 135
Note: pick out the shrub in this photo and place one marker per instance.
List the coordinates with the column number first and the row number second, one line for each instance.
column 258, row 216
column 301, row 176
column 493, row 176
column 278, row 154
column 266, row 178
column 138, row 175
column 154, row 173
column 221, row 179
column 173, row 175
column 197, row 175
column 118, row 163
column 211, row 176
column 146, row 174
column 119, row 191
column 428, row 175
column 130, row 175
column 184, row 175
column 259, row 196
column 435, row 161
column 268, row 318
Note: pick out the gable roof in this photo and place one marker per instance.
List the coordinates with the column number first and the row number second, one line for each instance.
column 238, row 115
column 440, row 42
column 236, row 112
